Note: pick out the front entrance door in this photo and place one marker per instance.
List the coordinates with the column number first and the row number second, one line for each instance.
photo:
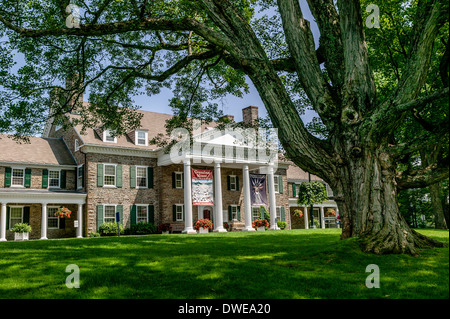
column 207, row 213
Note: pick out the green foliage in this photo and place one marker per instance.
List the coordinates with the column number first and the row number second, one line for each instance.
column 415, row 203
column 311, row 193
column 110, row 229
column 281, row 224
column 21, row 228
column 141, row 229
column 93, row 235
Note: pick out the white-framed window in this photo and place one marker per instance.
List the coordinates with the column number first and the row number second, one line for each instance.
column 107, row 137
column 109, row 214
column 256, row 213
column 109, row 175
column 141, row 177
column 178, row 180
column 52, row 220
column 233, row 183
column 234, row 210
column 276, row 178
column 141, row 213
column 278, row 210
column 179, row 210
column 141, row 138
column 18, row 177
column 54, row 178
column 15, row 215
column 77, row 145
column 80, row 173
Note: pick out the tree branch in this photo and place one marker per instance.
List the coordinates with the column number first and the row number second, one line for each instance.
column 421, row 178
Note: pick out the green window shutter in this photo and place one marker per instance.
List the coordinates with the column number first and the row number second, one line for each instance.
column 237, row 183
column 132, row 176
column 294, row 190
column 182, row 185
column 8, row 209
column 8, row 173
column 228, row 182
column 28, row 177
column 173, row 180
column 119, row 209
column 150, row 177
column 133, row 215
column 45, row 178
column 239, row 213
column 261, row 212
column 151, row 214
column 26, row 214
column 230, row 215
column 283, row 215
column 99, row 216
column 100, row 175
column 63, row 180
column 119, row 176
column 184, row 212
column 174, row 212
column 280, row 184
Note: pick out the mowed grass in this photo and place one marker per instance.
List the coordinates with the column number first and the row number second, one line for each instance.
column 281, row 264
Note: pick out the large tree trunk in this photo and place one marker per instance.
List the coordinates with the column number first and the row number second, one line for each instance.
column 438, row 208
column 367, row 200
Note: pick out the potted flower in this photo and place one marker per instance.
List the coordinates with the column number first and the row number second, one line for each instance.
column 297, row 213
column 260, row 224
column 203, row 225
column 63, row 212
column 165, row 228
column 330, row 212
column 21, row 231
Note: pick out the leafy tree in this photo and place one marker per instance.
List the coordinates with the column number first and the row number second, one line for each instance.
column 310, row 194
column 204, row 49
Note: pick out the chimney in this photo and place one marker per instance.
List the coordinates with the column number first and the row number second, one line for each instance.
column 250, row 115
column 71, row 82
column 228, row 118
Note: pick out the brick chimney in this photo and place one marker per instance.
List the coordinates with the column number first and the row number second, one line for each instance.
column 71, row 82
column 250, row 115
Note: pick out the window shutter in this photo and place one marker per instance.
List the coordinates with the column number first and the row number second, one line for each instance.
column 228, row 182
column 119, row 176
column 261, row 212
column 100, row 175
column 294, row 190
column 63, row 180
column 150, row 177
column 283, row 215
column 151, row 214
column 182, row 185
column 119, row 209
column 237, row 183
column 280, row 184
column 173, row 180
column 26, row 214
column 183, row 212
column 8, row 173
column 239, row 213
column 132, row 176
column 8, row 209
column 28, row 177
column 99, row 216
column 133, row 215
column 45, row 178
column 174, row 212
column 230, row 215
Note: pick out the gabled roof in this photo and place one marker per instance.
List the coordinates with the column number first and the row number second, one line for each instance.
column 46, row 151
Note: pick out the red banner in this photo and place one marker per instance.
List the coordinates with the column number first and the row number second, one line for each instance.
column 202, row 187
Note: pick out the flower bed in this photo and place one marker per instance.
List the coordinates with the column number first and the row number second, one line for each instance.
column 260, row 223
column 203, row 223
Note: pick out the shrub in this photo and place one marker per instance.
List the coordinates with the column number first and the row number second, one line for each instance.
column 281, row 224
column 21, row 228
column 203, row 223
column 141, row 229
column 226, row 226
column 92, row 235
column 109, row 229
column 164, row 227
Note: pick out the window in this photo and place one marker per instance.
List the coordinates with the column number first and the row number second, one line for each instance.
column 110, row 175
column 178, row 180
column 142, row 214
column 141, row 138
column 179, row 212
column 52, row 220
column 141, row 177
column 18, row 176
column 234, row 212
column 80, row 172
column 233, row 183
column 278, row 210
column 53, row 179
column 255, row 213
column 276, row 178
column 107, row 137
column 77, row 145
column 110, row 214
column 15, row 216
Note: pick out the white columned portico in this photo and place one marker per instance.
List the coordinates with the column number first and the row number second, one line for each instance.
column 322, row 217
column 188, row 219
column 218, row 199
column 3, row 222
column 247, row 201
column 306, row 218
column 44, row 221
column 80, row 221
column 272, row 199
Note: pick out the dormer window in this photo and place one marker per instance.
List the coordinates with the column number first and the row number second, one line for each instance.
column 142, row 138
column 107, row 137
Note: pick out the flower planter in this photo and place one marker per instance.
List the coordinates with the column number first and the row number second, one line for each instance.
column 20, row 236
column 261, row 228
column 202, row 230
column 165, row 232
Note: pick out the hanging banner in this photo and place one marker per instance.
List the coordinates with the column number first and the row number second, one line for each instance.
column 258, row 193
column 202, row 187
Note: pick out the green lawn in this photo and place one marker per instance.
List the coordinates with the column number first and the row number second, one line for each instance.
column 282, row 264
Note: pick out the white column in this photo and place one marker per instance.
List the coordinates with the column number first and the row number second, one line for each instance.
column 80, row 221
column 322, row 217
column 272, row 199
column 3, row 222
column 218, row 200
column 306, row 218
column 188, row 219
column 44, row 221
column 247, row 200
